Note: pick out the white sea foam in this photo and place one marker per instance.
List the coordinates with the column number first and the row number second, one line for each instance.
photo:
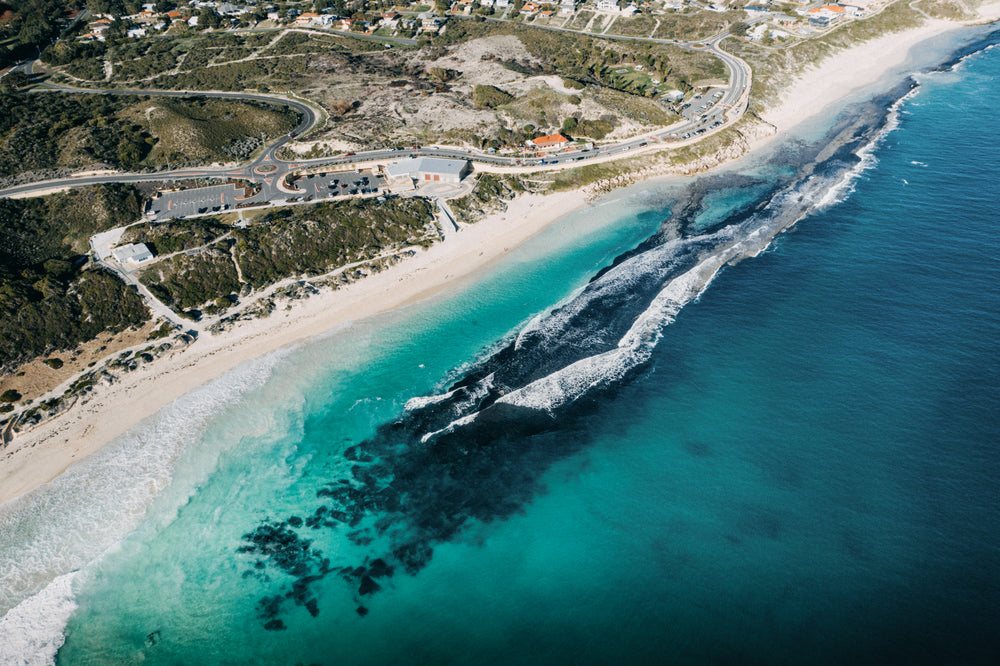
column 635, row 347
column 32, row 632
column 72, row 521
column 842, row 189
column 420, row 402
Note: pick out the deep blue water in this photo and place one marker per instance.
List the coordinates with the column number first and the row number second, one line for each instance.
column 799, row 466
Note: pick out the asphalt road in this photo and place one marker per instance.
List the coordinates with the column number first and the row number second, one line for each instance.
column 268, row 170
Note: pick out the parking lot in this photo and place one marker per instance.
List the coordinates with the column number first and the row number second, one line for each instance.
column 701, row 104
column 341, row 183
column 199, row 201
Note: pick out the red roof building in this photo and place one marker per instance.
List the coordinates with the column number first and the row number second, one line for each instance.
column 549, row 142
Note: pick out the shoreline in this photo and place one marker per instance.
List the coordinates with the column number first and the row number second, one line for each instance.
column 39, row 455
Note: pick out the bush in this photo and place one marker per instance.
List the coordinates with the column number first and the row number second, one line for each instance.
column 10, row 395
column 490, row 97
column 54, row 363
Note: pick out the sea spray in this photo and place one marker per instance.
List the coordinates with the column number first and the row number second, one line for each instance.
column 32, row 632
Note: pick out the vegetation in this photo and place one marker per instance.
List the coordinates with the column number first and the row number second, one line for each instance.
column 164, row 238
column 490, row 97
column 487, row 196
column 287, row 242
column 69, row 130
column 44, row 131
column 49, row 299
column 27, row 24
column 214, row 61
column 188, row 281
column 593, row 129
column 591, row 60
column 202, row 130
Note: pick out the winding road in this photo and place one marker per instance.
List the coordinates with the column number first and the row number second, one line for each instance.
column 269, row 171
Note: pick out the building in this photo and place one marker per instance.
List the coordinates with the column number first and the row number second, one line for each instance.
column 550, row 142
column 132, row 255
column 432, row 169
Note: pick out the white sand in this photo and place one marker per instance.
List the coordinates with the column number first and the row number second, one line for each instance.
column 36, row 457
column 846, row 72
column 41, row 454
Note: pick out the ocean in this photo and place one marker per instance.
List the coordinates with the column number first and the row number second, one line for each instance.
column 748, row 418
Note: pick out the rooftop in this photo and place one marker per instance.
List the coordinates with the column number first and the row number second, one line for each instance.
column 550, row 140
column 425, row 165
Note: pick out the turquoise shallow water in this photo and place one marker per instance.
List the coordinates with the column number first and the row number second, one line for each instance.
column 803, row 471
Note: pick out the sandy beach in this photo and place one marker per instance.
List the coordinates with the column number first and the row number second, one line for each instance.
column 39, row 455
column 846, row 72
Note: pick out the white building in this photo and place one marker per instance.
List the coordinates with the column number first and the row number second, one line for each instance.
column 132, row 255
column 432, row 169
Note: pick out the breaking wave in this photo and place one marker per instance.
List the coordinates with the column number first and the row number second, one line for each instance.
column 32, row 632
column 58, row 529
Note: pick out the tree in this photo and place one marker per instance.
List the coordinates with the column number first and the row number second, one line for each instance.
column 15, row 80
column 569, row 124
column 208, row 19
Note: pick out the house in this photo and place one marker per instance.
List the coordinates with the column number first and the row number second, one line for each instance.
column 132, row 255
column 307, row 18
column 607, row 5
column 430, row 23
column 756, row 10
column 390, row 19
column 135, row 33
column 550, row 142
column 674, row 95
column 432, row 169
column 99, row 30
column 831, row 12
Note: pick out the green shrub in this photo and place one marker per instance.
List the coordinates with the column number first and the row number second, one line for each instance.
column 490, row 97
column 10, row 395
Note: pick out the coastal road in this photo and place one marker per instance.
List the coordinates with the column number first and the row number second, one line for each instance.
column 268, row 170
